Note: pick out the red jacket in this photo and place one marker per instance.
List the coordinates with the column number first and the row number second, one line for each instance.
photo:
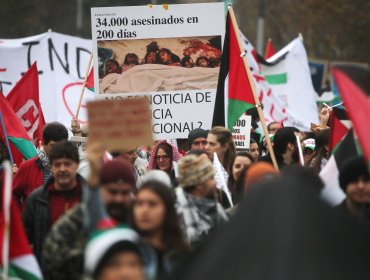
column 28, row 177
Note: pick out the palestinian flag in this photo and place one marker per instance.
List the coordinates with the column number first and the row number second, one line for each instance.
column 345, row 149
column 16, row 257
column 234, row 93
column 339, row 126
column 90, row 80
column 270, row 50
column 15, row 130
column 354, row 87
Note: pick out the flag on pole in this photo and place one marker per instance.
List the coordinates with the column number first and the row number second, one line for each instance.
column 270, row 50
column 234, row 94
column 90, row 80
column 24, row 99
column 17, row 259
column 337, row 127
column 356, row 100
column 15, row 130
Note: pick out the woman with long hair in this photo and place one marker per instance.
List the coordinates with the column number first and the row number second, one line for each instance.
column 155, row 219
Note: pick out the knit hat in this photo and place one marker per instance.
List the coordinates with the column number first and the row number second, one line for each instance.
column 309, row 144
column 196, row 133
column 102, row 242
column 117, row 170
column 158, row 176
column 351, row 169
column 194, row 170
column 259, row 171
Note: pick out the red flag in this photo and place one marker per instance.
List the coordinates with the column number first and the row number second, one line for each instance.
column 24, row 99
column 90, row 80
column 270, row 50
column 358, row 106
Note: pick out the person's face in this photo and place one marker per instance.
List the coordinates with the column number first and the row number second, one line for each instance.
column 126, row 265
column 199, row 144
column 163, row 160
column 213, row 146
column 202, row 63
column 273, row 128
column 118, row 198
column 47, row 147
column 149, row 211
column 64, row 172
column 239, row 163
column 111, row 67
column 359, row 191
column 165, row 57
column 307, row 155
column 254, row 151
column 131, row 156
column 151, row 57
column 189, row 63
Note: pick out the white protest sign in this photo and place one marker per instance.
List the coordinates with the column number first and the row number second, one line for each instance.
column 170, row 54
column 79, row 141
column 61, row 61
column 242, row 132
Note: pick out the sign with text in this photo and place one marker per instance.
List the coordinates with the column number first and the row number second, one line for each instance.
column 242, row 132
column 121, row 125
column 168, row 53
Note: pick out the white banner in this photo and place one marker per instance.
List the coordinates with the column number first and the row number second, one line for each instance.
column 61, row 61
column 169, row 53
column 242, row 132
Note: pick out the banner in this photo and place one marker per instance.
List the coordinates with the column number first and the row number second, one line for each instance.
column 61, row 61
column 170, row 54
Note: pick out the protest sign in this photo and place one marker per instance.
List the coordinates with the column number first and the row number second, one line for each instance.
column 242, row 132
column 79, row 141
column 61, row 62
column 170, row 54
column 121, row 125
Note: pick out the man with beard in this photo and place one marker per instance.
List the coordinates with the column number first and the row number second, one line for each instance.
column 63, row 255
column 196, row 200
column 60, row 193
column 285, row 147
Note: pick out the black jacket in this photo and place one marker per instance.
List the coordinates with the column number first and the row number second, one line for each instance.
column 36, row 215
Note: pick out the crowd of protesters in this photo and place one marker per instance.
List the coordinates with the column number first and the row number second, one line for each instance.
column 138, row 217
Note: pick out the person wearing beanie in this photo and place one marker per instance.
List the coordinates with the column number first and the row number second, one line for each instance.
column 196, row 200
column 110, row 195
column 197, row 139
column 354, row 180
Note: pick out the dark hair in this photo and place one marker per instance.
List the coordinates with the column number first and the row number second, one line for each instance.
column 201, row 57
column 167, row 149
column 64, row 149
column 231, row 181
column 184, row 60
column 196, row 152
column 224, row 137
column 148, row 53
column 172, row 234
column 54, row 131
column 305, row 174
column 131, row 55
column 322, row 139
column 282, row 137
column 174, row 57
column 270, row 124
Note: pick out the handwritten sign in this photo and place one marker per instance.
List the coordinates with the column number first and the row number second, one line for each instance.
column 121, row 125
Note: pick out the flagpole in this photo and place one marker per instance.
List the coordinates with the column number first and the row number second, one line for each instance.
column 253, row 87
column 6, row 139
column 84, row 85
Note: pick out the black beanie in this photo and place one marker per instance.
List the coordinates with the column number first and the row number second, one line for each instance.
column 351, row 169
column 196, row 133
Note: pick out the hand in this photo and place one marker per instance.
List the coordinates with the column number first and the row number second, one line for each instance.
column 14, row 168
column 75, row 125
column 324, row 115
column 94, row 155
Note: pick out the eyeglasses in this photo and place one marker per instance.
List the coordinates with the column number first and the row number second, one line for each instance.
column 164, row 157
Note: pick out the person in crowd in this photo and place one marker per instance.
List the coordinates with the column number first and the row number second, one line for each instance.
column 156, row 220
column 285, row 147
column 272, row 127
column 114, row 184
column 111, row 66
column 151, row 56
column 215, row 62
column 131, row 59
column 168, row 58
column 308, row 150
column 36, row 171
column 264, row 147
column 197, row 139
column 187, row 62
column 354, row 180
column 254, row 149
column 60, row 193
column 138, row 163
column 162, row 157
column 196, row 202
column 202, row 61
column 320, row 155
column 114, row 253
column 241, row 161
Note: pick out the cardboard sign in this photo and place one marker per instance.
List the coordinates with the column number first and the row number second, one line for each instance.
column 169, row 53
column 121, row 125
column 242, row 132
column 79, row 141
